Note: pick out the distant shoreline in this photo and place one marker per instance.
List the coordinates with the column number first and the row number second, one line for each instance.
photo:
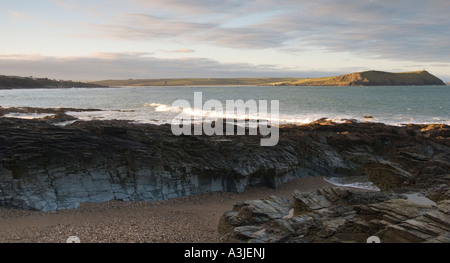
column 199, row 85
column 366, row 78
column 14, row 82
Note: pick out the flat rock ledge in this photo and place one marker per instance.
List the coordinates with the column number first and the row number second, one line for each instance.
column 336, row 215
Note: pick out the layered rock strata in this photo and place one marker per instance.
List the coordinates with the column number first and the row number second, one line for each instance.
column 336, row 215
column 48, row 168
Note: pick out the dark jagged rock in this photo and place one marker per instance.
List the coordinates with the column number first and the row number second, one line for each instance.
column 47, row 167
column 387, row 175
column 56, row 115
column 307, row 202
column 413, row 159
column 248, row 214
column 335, row 219
column 343, row 196
column 438, row 192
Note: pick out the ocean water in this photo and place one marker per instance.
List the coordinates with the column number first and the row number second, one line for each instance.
column 394, row 105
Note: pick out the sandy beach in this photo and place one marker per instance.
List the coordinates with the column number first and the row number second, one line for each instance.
column 188, row 220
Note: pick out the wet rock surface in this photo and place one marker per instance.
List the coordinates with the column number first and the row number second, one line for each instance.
column 47, row 167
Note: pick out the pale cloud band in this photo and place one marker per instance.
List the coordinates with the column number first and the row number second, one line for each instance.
column 412, row 30
column 142, row 65
column 101, row 66
column 181, row 50
column 402, row 29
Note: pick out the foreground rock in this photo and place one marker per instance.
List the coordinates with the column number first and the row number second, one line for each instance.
column 336, row 215
column 47, row 167
column 387, row 175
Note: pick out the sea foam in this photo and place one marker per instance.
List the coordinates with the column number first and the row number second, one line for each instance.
column 360, row 182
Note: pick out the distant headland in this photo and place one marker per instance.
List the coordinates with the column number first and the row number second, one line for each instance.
column 366, row 78
column 370, row 78
column 14, row 82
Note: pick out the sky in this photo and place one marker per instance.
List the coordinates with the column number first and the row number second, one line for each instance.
column 117, row 39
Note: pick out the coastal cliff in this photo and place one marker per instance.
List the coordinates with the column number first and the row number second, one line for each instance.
column 370, row 78
column 48, row 168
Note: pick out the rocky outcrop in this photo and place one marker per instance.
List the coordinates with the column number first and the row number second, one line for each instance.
column 387, row 175
column 401, row 161
column 407, row 165
column 380, row 78
column 47, row 167
column 402, row 221
column 336, row 215
column 370, row 78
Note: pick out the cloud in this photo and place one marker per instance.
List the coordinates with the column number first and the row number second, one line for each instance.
column 76, row 6
column 194, row 7
column 154, row 28
column 131, row 65
column 406, row 30
column 142, row 65
column 181, row 50
column 412, row 30
column 19, row 16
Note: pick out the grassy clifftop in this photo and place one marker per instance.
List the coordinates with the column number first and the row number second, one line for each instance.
column 369, row 78
column 9, row 82
column 366, row 78
column 193, row 81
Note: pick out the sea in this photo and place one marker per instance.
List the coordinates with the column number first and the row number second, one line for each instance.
column 394, row 105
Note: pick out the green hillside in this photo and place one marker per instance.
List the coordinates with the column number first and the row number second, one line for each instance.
column 192, row 81
column 369, row 78
column 366, row 78
column 13, row 82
